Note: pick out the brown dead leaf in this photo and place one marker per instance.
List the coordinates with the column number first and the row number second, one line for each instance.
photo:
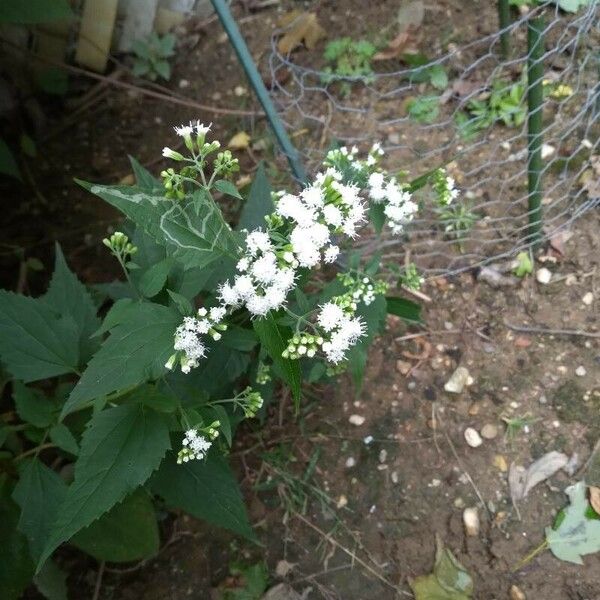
column 595, row 498
column 411, row 15
column 404, row 43
column 425, row 353
column 303, row 28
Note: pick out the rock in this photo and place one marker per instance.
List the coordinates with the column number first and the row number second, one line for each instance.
column 281, row 591
column 357, row 420
column 588, row 298
column 515, row 593
column 342, row 501
column 547, row 150
column 543, row 276
column 471, row 521
column 394, row 138
column 580, row 371
column 500, row 463
column 489, row 431
column 283, row 568
column 457, row 381
column 382, row 455
column 350, row 462
column 472, row 437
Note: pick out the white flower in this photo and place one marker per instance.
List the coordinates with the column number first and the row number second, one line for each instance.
column 264, row 269
column 312, row 196
column 331, row 253
column 332, row 215
column 200, row 128
column 227, row 294
column 285, row 279
column 217, row 313
column 242, row 264
column 168, row 153
column 275, row 296
column 352, row 329
column 244, row 286
column 330, row 316
column 184, row 131
column 258, row 305
column 318, row 233
column 258, row 240
column 194, row 447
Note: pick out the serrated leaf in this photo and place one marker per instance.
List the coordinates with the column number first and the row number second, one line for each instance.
column 16, row 567
column 33, row 406
column 70, row 298
column 196, row 237
column 239, row 338
column 35, row 341
column 274, row 339
column 51, row 582
column 206, row 489
column 119, row 312
column 259, row 203
column 144, row 179
column 127, row 532
column 135, row 352
column 405, row 309
column 226, row 187
column 39, row 493
column 119, row 451
column 576, row 535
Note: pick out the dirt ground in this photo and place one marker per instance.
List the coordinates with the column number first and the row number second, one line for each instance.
column 344, row 511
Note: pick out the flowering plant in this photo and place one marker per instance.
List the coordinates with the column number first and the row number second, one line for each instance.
column 144, row 401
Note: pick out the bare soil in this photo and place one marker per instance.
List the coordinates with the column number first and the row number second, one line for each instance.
column 364, row 522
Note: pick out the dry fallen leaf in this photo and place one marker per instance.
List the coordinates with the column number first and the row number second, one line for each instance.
column 303, row 28
column 521, row 480
column 425, row 352
column 240, row 141
column 522, row 342
column 595, row 498
column 403, row 43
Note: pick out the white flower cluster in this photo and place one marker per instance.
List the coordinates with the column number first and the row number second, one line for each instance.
column 445, row 187
column 189, row 337
column 341, row 330
column 195, row 447
column 399, row 206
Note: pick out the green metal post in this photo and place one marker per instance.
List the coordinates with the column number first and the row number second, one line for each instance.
column 504, row 18
column 535, row 106
column 245, row 58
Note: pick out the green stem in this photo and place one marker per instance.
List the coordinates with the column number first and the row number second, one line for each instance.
column 504, row 18
column 531, row 556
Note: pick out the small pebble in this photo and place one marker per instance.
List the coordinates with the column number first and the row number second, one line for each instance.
column 489, row 431
column 543, row 275
column 500, row 463
column 184, row 83
column 580, row 371
column 516, row 593
column 368, row 440
column 394, row 477
column 240, row 90
column 342, row 501
column 588, row 298
column 357, row 420
column 472, row 437
column 471, row 521
column 350, row 462
column 457, row 381
column 383, row 455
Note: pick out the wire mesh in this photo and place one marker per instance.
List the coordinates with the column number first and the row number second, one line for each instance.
column 489, row 165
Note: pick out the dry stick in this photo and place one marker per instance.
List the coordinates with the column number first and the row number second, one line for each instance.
column 412, row 336
column 146, row 92
column 543, row 331
column 99, row 581
column 350, row 554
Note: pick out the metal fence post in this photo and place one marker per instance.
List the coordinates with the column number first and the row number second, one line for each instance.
column 245, row 58
column 504, row 19
column 535, row 106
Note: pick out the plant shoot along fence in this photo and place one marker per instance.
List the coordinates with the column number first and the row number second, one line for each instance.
column 512, row 115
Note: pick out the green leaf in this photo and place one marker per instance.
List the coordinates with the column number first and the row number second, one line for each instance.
column 35, row 341
column 34, row 11
column 33, row 406
column 51, row 582
column 438, row 77
column 136, row 351
column 39, row 492
column 127, row 532
column 52, row 80
column 8, row 164
column 226, row 187
column 205, row 489
column 154, row 279
column 184, row 306
column 195, row 237
column 274, row 339
column 449, row 580
column 259, row 203
column 163, row 69
column 256, row 581
column 70, row 298
column 119, row 312
column 28, row 146
column 377, row 216
column 576, row 535
column 144, row 179
column 405, row 309
column 222, row 416
column 61, row 436
column 524, row 265
column 16, row 567
column 119, row 451
column 239, row 338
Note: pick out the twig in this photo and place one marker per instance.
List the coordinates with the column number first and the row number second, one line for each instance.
column 542, row 331
column 99, row 581
column 412, row 336
column 349, row 553
column 416, row 294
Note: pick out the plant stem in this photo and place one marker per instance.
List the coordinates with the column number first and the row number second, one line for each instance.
column 504, row 18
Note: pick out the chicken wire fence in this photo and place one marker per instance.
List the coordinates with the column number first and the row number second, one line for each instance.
column 466, row 129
